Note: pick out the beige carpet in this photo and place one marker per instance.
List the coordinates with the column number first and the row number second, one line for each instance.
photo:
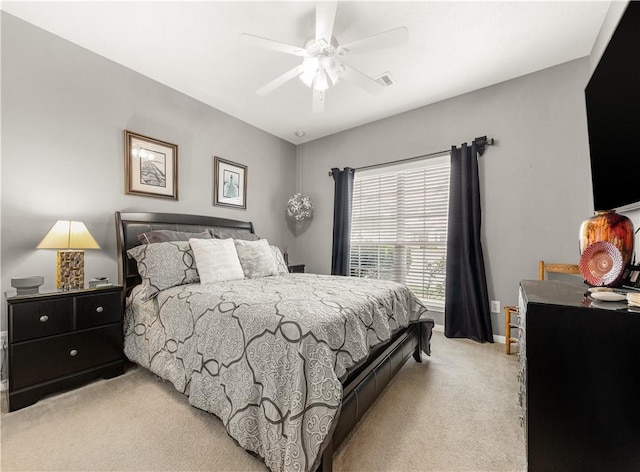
column 457, row 411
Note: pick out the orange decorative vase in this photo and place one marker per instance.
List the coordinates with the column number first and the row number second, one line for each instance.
column 605, row 227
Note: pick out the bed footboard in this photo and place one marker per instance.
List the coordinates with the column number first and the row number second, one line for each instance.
column 362, row 391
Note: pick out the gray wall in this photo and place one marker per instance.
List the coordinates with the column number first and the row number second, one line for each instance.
column 536, row 186
column 63, row 113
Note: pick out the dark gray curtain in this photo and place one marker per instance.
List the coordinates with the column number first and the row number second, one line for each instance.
column 467, row 313
column 342, row 220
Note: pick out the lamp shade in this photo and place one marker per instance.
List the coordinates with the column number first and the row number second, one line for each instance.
column 68, row 235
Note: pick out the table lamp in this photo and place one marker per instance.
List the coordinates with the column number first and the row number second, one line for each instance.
column 70, row 238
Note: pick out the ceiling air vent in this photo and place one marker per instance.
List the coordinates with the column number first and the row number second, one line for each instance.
column 385, row 79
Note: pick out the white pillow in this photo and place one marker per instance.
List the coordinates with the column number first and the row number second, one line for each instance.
column 256, row 258
column 216, row 259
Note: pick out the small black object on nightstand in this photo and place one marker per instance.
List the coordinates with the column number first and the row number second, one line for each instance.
column 297, row 268
column 62, row 339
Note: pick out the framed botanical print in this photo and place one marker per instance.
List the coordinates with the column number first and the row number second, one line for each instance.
column 229, row 184
column 150, row 166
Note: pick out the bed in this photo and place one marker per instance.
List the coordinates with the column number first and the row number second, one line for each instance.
column 266, row 354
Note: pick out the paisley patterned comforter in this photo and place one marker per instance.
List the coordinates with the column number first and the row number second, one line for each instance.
column 267, row 355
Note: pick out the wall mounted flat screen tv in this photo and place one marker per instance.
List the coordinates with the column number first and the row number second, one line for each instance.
column 613, row 115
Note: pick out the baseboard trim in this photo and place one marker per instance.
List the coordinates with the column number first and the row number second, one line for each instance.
column 497, row 338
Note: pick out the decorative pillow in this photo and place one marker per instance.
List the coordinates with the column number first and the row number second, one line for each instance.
column 279, row 258
column 217, row 260
column 165, row 265
column 164, row 235
column 256, row 258
column 222, row 233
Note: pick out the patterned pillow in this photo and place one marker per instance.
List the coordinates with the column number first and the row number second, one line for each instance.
column 256, row 258
column 222, row 233
column 217, row 260
column 165, row 265
column 280, row 263
column 164, row 235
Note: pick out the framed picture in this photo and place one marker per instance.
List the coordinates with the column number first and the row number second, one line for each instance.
column 150, row 166
column 229, row 184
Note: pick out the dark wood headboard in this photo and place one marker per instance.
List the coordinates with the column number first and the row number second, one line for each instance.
column 130, row 225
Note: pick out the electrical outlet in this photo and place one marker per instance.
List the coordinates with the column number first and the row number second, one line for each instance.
column 495, row 306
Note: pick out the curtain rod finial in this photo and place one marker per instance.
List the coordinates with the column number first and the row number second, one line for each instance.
column 481, row 142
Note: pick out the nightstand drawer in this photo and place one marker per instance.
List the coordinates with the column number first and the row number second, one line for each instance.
column 46, row 359
column 98, row 309
column 296, row 268
column 36, row 319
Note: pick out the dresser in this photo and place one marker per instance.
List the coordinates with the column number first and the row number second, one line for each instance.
column 579, row 379
column 62, row 339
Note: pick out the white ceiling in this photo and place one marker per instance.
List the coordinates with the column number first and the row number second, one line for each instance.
column 454, row 47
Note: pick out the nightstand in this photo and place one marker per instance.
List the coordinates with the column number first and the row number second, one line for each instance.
column 62, row 339
column 299, row 268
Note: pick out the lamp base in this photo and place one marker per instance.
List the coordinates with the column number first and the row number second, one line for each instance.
column 70, row 270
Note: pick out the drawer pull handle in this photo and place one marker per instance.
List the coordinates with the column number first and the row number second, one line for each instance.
column 44, row 318
column 73, row 353
column 99, row 309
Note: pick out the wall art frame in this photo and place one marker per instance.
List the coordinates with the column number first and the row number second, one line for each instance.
column 150, row 166
column 229, row 184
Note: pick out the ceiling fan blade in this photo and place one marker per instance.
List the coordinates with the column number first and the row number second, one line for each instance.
column 325, row 17
column 281, row 80
column 271, row 44
column 387, row 39
column 362, row 80
column 318, row 101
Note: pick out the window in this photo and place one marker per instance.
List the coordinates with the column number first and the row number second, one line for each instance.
column 399, row 226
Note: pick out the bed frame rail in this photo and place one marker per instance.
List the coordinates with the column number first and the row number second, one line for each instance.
column 361, row 392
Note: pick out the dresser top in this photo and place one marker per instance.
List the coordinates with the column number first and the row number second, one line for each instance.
column 12, row 296
column 565, row 293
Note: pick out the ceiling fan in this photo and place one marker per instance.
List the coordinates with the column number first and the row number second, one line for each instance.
column 323, row 56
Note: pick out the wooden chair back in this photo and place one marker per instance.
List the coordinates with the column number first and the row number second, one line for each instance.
column 544, row 267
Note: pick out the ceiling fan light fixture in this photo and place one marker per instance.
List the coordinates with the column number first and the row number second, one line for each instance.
column 321, row 83
column 322, row 65
column 333, row 68
column 310, row 68
column 307, row 79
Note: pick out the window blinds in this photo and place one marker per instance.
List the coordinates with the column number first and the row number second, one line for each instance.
column 399, row 225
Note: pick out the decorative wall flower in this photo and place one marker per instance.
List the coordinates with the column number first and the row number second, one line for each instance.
column 299, row 207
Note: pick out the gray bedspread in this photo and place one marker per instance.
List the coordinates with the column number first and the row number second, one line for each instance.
column 267, row 355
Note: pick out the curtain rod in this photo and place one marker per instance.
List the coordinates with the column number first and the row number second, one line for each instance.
column 487, row 142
